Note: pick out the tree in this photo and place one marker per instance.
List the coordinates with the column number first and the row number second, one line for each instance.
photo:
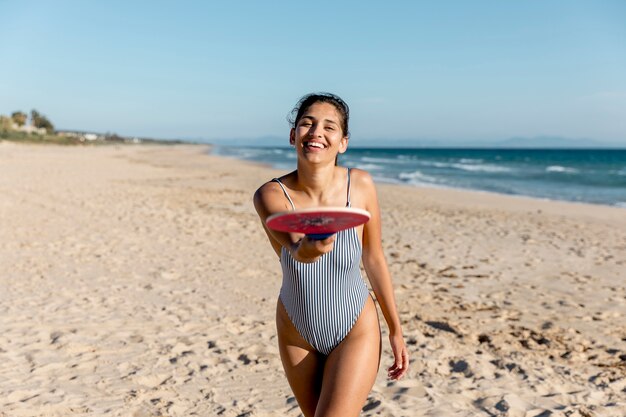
column 5, row 124
column 39, row 120
column 19, row 118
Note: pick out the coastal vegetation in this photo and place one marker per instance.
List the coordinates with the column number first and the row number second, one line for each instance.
column 33, row 128
column 37, row 128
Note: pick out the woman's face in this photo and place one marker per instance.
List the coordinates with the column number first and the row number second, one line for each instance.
column 318, row 135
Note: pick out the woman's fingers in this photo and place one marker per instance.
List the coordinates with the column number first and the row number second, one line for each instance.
column 396, row 373
column 401, row 364
column 321, row 246
column 309, row 250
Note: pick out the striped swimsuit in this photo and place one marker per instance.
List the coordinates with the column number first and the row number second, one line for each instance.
column 324, row 299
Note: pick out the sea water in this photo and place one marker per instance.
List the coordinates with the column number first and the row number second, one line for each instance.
column 591, row 176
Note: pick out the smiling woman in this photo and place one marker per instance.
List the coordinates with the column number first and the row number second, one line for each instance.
column 336, row 124
column 327, row 323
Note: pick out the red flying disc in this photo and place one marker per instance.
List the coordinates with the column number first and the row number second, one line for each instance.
column 319, row 222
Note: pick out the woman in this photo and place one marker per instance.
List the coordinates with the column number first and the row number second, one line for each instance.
column 327, row 324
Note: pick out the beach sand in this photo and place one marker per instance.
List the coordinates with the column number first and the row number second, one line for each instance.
column 137, row 281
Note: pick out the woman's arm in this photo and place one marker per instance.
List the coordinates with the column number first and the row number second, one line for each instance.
column 270, row 199
column 379, row 276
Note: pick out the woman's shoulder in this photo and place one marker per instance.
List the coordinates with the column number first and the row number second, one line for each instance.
column 362, row 178
column 270, row 191
column 267, row 190
column 362, row 189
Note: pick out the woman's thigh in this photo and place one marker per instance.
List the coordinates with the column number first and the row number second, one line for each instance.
column 351, row 368
column 303, row 366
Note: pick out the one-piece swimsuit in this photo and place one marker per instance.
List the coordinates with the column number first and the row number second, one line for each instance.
column 324, row 299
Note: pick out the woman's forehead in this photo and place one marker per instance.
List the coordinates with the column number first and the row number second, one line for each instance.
column 328, row 110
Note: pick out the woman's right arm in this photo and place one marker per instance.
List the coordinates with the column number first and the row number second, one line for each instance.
column 270, row 199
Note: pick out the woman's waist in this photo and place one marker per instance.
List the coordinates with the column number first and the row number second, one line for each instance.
column 330, row 285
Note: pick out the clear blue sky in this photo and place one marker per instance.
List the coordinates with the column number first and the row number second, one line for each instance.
column 439, row 70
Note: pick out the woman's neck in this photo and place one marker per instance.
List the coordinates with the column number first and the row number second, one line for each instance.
column 316, row 180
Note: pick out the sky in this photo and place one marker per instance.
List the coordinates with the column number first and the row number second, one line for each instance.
column 443, row 71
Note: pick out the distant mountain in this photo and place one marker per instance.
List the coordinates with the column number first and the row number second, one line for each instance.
column 553, row 142
column 540, row 142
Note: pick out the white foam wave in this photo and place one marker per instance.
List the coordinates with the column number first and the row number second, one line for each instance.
column 437, row 164
column 465, row 165
column 481, row 168
column 247, row 154
column 383, row 160
column 368, row 167
column 414, row 183
column 417, row 177
column 387, row 180
column 559, row 168
column 621, row 204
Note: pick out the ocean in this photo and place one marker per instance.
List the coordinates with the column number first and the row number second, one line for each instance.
column 582, row 175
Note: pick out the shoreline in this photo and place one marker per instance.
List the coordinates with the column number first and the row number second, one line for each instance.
column 426, row 187
column 138, row 281
column 393, row 181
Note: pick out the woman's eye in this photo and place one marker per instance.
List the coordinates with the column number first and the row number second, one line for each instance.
column 330, row 128
column 305, row 124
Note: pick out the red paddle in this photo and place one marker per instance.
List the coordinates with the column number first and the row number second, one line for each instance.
column 318, row 223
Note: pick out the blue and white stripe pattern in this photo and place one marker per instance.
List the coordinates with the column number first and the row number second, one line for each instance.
column 324, row 299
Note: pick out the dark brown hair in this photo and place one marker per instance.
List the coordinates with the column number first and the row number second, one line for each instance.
column 307, row 101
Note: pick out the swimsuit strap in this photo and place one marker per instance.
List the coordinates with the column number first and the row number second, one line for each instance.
column 293, row 207
column 348, row 204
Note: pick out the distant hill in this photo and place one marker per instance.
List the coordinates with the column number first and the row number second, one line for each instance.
column 553, row 142
column 540, row 142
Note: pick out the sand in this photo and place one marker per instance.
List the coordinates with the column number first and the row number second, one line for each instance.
column 136, row 281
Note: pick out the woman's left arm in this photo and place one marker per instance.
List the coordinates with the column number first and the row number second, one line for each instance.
column 379, row 276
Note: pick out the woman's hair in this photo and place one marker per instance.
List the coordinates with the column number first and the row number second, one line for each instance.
column 307, row 101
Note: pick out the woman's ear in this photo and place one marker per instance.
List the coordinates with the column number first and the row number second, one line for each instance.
column 292, row 137
column 343, row 145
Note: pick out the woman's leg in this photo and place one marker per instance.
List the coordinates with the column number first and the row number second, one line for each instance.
column 303, row 365
column 351, row 368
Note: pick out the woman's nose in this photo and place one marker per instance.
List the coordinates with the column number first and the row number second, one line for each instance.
column 316, row 130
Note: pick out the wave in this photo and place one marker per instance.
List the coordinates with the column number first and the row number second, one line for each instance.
column 417, row 177
column 596, row 178
column 434, row 164
column 387, row 180
column 246, row 154
column 559, row 168
column 481, row 168
column 465, row 165
column 369, row 167
column 383, row 160
column 417, row 183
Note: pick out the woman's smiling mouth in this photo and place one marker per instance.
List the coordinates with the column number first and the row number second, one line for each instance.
column 313, row 145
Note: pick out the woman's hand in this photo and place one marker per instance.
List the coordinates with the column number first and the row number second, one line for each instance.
column 309, row 250
column 401, row 356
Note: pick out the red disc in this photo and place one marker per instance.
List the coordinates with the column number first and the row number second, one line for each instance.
column 318, row 221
